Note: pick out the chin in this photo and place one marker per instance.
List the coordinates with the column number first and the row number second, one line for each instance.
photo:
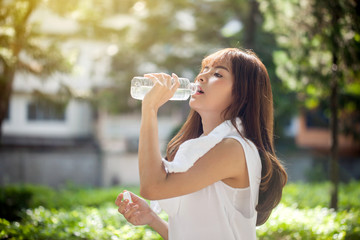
column 194, row 107
column 192, row 103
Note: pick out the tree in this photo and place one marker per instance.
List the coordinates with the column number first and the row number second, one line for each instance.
column 24, row 47
column 189, row 31
column 18, row 36
column 320, row 59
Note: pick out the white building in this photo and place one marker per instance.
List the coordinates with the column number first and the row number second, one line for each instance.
column 51, row 142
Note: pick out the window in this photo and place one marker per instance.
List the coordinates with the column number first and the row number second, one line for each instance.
column 317, row 118
column 45, row 111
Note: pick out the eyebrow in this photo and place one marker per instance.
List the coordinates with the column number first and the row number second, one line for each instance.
column 222, row 67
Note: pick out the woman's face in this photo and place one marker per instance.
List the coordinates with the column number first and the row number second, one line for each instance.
column 216, row 81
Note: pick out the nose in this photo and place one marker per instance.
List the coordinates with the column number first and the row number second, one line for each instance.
column 201, row 77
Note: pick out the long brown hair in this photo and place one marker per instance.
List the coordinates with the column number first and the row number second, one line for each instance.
column 253, row 104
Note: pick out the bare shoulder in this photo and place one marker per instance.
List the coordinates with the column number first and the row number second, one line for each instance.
column 231, row 153
column 235, row 156
column 233, row 149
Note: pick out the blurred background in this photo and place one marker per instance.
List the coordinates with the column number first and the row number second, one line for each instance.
column 67, row 118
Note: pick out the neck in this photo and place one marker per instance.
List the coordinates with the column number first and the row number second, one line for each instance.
column 209, row 122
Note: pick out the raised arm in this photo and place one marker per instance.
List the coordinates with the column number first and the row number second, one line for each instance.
column 226, row 161
column 150, row 164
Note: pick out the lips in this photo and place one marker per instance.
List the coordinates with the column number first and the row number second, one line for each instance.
column 200, row 90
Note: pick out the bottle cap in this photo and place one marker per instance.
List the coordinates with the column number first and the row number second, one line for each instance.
column 127, row 196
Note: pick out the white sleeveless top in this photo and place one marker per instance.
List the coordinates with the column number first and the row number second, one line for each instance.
column 218, row 211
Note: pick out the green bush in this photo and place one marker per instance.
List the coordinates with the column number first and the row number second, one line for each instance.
column 12, row 201
column 14, row 198
column 107, row 223
column 86, row 213
column 78, row 223
column 311, row 195
column 317, row 223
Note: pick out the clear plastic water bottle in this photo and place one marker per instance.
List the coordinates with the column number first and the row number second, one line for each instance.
column 140, row 86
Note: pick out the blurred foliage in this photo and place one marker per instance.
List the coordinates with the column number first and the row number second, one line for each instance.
column 189, row 30
column 314, row 224
column 174, row 36
column 317, row 39
column 153, row 36
column 305, row 61
column 311, row 195
column 78, row 223
column 107, row 223
column 13, row 198
column 88, row 213
column 19, row 35
column 23, row 48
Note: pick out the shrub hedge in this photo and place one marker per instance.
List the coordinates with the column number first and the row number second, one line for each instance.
column 85, row 213
column 310, row 195
column 312, row 224
column 15, row 198
column 79, row 223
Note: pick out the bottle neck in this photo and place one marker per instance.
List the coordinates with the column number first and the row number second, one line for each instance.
column 193, row 88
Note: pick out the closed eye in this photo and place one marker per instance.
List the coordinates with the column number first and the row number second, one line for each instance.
column 205, row 70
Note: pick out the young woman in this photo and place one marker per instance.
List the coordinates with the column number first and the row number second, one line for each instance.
column 221, row 177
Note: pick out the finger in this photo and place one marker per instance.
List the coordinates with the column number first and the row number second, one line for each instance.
column 118, row 199
column 163, row 78
column 126, row 195
column 136, row 199
column 123, row 206
column 130, row 211
column 122, row 210
column 176, row 82
column 167, row 80
column 153, row 77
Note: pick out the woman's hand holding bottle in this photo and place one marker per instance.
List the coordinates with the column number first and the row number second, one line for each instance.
column 163, row 89
column 137, row 212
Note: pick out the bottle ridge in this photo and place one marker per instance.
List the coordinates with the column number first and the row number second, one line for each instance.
column 140, row 86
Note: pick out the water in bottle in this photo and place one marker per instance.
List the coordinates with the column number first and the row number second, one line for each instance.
column 140, row 86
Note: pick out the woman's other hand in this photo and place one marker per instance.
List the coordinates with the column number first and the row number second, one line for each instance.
column 163, row 89
column 138, row 212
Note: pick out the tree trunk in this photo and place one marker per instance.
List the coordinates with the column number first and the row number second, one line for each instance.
column 251, row 25
column 335, row 11
column 334, row 159
column 5, row 93
column 1, row 137
column 8, row 74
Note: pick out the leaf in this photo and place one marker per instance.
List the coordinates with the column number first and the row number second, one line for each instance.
column 353, row 88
